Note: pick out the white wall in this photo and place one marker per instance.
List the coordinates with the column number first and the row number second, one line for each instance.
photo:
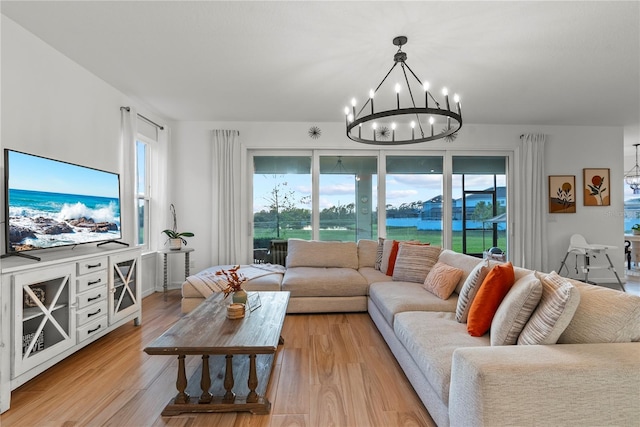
column 569, row 150
column 55, row 108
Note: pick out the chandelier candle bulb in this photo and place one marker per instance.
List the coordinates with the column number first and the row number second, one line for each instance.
column 445, row 92
column 374, row 126
column 393, row 131
column 371, row 95
column 360, row 130
column 456, row 99
column 426, row 94
column 413, row 129
column 398, row 94
column 353, row 105
column 431, row 120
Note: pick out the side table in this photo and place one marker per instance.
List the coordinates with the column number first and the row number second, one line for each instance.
column 165, row 254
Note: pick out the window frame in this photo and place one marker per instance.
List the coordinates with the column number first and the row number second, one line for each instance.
column 145, row 196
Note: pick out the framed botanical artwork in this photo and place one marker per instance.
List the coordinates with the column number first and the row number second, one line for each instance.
column 596, row 187
column 562, row 194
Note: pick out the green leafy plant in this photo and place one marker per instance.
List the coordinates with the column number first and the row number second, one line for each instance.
column 635, row 227
column 172, row 233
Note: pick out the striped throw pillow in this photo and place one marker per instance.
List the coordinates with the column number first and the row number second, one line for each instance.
column 378, row 263
column 515, row 310
column 414, row 261
column 557, row 306
column 470, row 289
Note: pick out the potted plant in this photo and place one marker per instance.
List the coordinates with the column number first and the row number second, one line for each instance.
column 175, row 238
column 635, row 229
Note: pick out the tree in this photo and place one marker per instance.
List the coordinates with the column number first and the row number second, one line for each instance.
column 280, row 199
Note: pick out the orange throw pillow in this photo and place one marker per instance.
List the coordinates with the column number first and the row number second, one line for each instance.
column 491, row 293
column 392, row 257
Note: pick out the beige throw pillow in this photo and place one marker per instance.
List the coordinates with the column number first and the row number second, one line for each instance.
column 557, row 306
column 414, row 261
column 442, row 280
column 470, row 289
column 515, row 310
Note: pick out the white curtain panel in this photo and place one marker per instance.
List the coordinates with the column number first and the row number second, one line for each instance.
column 533, row 203
column 226, row 209
column 128, row 132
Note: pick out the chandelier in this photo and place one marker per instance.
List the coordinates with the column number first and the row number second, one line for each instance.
column 405, row 122
column 632, row 178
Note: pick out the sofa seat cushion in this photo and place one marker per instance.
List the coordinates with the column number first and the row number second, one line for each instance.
column 431, row 338
column 372, row 275
column 324, row 282
column 396, row 297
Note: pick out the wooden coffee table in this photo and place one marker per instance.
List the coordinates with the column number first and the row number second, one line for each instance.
column 237, row 355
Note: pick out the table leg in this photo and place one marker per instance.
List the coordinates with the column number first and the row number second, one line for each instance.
column 205, row 381
column 229, row 396
column 164, row 283
column 252, row 397
column 181, row 382
column 186, row 265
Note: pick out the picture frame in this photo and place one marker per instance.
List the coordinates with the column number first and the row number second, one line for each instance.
column 562, row 194
column 596, row 187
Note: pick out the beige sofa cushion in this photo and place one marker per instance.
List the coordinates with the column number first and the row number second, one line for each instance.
column 603, row 316
column 557, row 306
column 372, row 275
column 515, row 310
column 324, row 282
column 431, row 338
column 367, row 250
column 315, row 253
column 396, row 297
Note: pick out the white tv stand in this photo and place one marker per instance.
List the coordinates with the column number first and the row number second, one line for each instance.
column 53, row 307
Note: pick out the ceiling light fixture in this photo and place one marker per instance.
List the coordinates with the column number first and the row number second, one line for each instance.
column 409, row 123
column 632, row 178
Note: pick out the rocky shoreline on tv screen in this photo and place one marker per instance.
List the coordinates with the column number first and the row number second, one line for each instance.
column 41, row 226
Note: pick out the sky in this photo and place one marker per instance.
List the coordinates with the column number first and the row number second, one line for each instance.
column 339, row 189
column 28, row 172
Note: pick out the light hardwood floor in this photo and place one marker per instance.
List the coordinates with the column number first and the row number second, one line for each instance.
column 333, row 370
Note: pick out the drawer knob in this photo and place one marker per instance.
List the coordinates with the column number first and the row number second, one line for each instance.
column 94, row 298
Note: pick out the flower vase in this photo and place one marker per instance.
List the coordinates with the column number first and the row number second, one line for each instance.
column 239, row 297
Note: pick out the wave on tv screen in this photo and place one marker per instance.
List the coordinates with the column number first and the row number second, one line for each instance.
column 40, row 219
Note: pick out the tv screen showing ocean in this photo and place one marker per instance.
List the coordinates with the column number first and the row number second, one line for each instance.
column 39, row 219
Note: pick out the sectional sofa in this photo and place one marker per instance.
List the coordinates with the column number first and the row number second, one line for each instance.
column 555, row 351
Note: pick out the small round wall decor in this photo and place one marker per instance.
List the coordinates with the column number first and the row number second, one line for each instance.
column 314, row 132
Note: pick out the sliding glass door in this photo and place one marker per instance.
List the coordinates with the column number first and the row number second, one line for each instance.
column 427, row 198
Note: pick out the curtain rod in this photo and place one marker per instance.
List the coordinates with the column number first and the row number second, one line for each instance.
column 145, row 119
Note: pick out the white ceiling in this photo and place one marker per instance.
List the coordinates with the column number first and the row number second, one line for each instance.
column 539, row 63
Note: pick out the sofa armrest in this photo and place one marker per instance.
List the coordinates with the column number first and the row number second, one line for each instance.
column 563, row 384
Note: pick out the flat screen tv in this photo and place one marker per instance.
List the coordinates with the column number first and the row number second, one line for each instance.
column 51, row 203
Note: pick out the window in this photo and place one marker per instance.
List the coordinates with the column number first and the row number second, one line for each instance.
column 143, row 200
column 414, row 198
column 479, row 205
column 347, row 198
column 328, row 196
column 281, row 199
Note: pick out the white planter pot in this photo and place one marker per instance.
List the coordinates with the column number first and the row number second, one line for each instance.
column 175, row 244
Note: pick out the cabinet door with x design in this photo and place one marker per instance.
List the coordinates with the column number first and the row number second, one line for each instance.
column 44, row 323
column 124, row 283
